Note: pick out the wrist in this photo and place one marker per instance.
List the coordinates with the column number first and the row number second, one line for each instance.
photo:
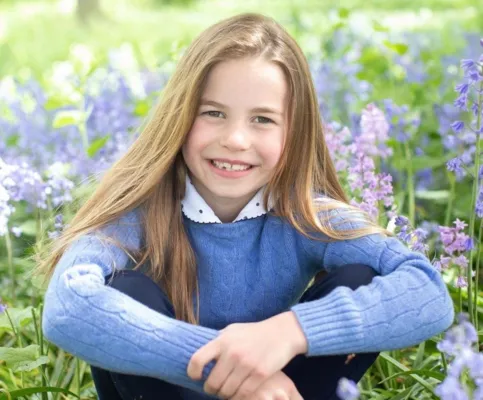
column 295, row 333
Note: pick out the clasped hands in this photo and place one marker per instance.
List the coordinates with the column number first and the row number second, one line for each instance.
column 249, row 356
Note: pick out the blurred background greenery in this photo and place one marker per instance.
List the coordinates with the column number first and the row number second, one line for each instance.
column 34, row 34
column 90, row 92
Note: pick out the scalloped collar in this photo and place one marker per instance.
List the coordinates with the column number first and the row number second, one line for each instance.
column 195, row 208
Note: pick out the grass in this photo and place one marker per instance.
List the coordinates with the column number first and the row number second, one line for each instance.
column 33, row 35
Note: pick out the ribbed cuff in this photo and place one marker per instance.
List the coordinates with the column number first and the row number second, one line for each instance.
column 332, row 324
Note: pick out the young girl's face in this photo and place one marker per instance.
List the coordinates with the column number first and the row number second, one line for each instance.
column 241, row 121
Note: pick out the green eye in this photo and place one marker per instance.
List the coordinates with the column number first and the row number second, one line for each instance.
column 208, row 112
column 267, row 119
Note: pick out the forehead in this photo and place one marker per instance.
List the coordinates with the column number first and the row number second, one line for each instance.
column 248, row 82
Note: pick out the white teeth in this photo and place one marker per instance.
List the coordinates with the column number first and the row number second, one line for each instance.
column 230, row 167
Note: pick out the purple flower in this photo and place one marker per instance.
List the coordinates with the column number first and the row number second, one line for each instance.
column 462, row 88
column 16, row 231
column 401, row 220
column 459, row 225
column 469, row 244
column 475, row 365
column 467, row 64
column 3, row 307
column 479, row 202
column 459, row 337
column 457, row 126
column 461, row 282
column 454, row 165
column 373, row 133
column 462, row 102
column 347, row 389
column 474, row 76
column 451, row 389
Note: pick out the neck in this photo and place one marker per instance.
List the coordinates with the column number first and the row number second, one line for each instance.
column 226, row 209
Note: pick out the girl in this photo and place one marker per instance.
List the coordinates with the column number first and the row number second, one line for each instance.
column 230, row 191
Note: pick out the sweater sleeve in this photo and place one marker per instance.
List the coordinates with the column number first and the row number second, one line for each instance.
column 407, row 303
column 109, row 329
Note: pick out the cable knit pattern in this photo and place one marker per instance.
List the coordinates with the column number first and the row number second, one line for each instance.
column 248, row 270
column 404, row 306
column 109, row 329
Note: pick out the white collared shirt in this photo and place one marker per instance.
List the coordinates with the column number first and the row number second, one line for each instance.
column 196, row 209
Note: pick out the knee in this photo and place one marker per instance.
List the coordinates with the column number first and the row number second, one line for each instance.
column 142, row 288
column 129, row 282
column 353, row 275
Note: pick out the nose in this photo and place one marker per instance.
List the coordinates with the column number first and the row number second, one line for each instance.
column 235, row 138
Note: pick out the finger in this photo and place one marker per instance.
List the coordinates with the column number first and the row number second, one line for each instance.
column 234, row 381
column 280, row 394
column 250, row 385
column 221, row 371
column 296, row 395
column 203, row 356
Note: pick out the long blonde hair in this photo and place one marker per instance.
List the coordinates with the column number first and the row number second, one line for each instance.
column 151, row 174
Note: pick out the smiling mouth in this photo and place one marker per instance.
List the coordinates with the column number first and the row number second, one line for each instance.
column 225, row 168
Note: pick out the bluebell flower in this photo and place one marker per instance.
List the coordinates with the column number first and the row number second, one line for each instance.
column 457, row 126
column 475, row 109
column 469, row 244
column 347, row 389
column 401, row 220
column 462, row 88
column 3, row 307
column 16, row 231
column 474, row 76
column 467, row 65
column 462, row 102
column 451, row 389
column 454, row 164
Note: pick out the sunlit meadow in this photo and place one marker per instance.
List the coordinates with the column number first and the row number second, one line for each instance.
column 403, row 114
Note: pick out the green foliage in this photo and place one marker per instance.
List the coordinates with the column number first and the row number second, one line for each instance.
column 158, row 30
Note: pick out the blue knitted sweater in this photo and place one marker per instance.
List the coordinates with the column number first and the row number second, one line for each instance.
column 248, row 271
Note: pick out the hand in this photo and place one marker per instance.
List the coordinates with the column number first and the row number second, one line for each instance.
column 278, row 387
column 247, row 354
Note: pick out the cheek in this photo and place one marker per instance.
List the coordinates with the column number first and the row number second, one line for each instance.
column 272, row 153
column 200, row 134
column 194, row 141
column 270, row 158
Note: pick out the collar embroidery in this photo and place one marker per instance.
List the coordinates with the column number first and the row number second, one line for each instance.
column 196, row 209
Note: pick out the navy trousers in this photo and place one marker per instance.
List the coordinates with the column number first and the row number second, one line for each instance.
column 316, row 378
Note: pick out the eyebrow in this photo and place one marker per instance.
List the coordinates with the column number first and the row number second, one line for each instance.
column 206, row 102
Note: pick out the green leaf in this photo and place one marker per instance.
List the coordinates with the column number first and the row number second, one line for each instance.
column 338, row 25
column 19, row 316
column 30, row 365
column 70, row 117
column 419, row 355
column 97, row 145
column 142, row 108
column 14, row 356
column 343, row 12
column 423, row 162
column 378, row 27
column 423, row 372
column 12, row 140
column 29, row 227
column 54, row 102
column 402, row 395
column 432, row 194
column 402, row 367
column 15, row 394
column 399, row 48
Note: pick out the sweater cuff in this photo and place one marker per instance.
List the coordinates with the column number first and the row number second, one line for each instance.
column 332, row 324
